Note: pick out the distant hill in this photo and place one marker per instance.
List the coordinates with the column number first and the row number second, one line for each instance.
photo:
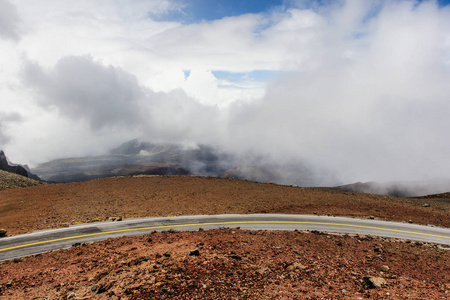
column 399, row 188
column 137, row 157
column 133, row 158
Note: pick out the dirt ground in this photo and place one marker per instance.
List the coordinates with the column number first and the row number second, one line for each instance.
column 224, row 263
column 232, row 264
column 57, row 205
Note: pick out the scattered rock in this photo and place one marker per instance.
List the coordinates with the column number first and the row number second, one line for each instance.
column 296, row 266
column 2, row 232
column 372, row 282
column 195, row 252
column 262, row 270
column 385, row 268
column 94, row 287
column 71, row 295
column 138, row 261
column 105, row 286
column 378, row 249
column 426, row 205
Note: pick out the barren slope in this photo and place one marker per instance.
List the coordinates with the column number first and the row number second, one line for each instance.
column 220, row 264
column 56, row 205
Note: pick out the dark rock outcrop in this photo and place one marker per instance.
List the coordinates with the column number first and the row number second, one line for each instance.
column 5, row 166
column 15, row 168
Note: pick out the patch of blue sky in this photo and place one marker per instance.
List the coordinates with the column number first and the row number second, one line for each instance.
column 195, row 11
column 257, row 75
column 443, row 2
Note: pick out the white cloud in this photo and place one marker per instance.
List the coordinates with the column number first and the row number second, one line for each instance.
column 9, row 21
column 362, row 89
column 82, row 89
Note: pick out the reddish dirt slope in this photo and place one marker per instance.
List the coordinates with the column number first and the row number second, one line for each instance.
column 56, row 205
column 226, row 263
column 232, row 264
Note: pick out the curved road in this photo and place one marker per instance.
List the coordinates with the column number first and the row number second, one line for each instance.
column 49, row 240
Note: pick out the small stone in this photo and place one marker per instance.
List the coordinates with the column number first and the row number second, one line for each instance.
column 94, row 287
column 296, row 266
column 119, row 218
column 2, row 232
column 71, row 295
column 410, row 221
column 384, row 268
column 262, row 270
column 372, row 282
column 167, row 253
column 195, row 252
column 426, row 205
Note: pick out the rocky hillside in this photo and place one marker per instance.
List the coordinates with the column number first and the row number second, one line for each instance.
column 11, row 181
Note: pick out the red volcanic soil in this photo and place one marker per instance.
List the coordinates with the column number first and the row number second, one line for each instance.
column 232, row 264
column 225, row 263
column 56, row 205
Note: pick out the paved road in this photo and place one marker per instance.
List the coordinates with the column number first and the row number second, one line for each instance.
column 49, row 240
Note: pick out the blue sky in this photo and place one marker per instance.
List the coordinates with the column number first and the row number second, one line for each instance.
column 208, row 10
column 194, row 11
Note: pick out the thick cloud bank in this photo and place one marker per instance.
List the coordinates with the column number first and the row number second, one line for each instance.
column 362, row 89
column 9, row 21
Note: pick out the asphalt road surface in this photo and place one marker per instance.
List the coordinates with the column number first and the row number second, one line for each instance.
column 50, row 240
